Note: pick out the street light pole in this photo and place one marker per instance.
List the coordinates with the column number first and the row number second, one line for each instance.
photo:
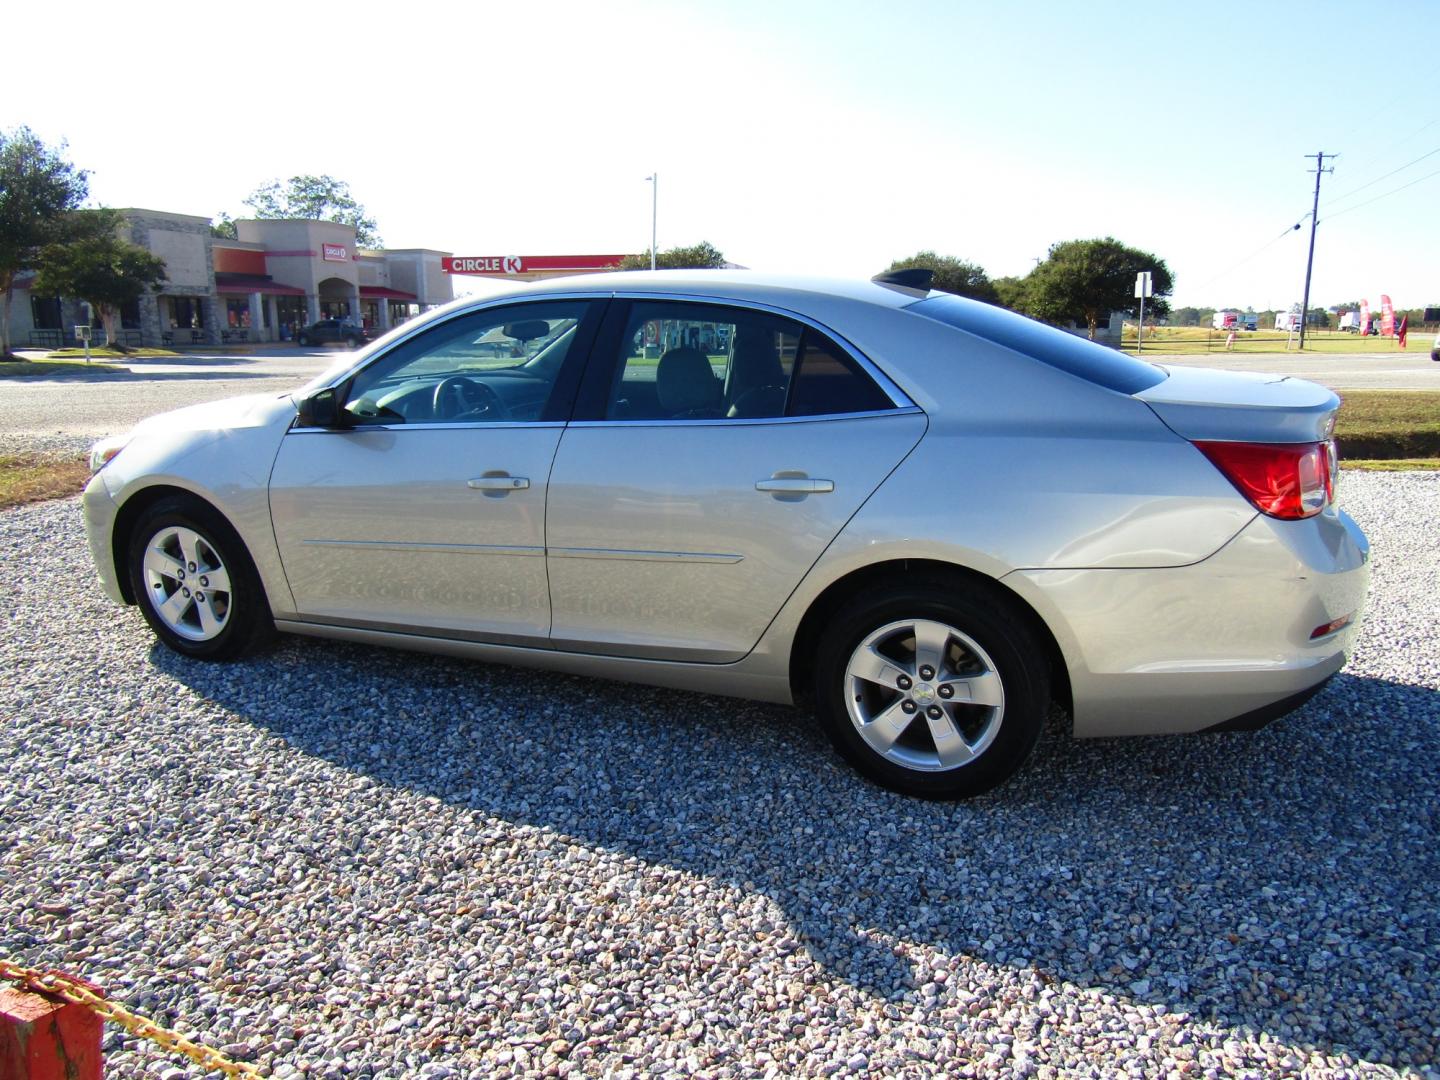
column 654, row 179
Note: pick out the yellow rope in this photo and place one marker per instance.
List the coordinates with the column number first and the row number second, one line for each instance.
column 80, row 992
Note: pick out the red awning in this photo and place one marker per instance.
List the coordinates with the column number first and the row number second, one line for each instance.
column 380, row 292
column 226, row 282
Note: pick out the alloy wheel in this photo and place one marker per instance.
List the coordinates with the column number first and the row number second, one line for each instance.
column 187, row 583
column 924, row 695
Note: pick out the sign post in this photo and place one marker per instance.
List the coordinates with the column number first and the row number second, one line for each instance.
column 1143, row 288
column 82, row 333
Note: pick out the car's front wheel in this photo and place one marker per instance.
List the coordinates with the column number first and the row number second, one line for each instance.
column 303, row 339
column 931, row 689
column 195, row 583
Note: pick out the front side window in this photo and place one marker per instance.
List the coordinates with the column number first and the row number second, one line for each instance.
column 492, row 366
column 682, row 361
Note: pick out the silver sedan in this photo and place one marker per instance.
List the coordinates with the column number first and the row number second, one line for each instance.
column 924, row 517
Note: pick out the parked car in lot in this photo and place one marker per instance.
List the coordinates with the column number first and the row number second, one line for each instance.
column 923, row 516
column 331, row 331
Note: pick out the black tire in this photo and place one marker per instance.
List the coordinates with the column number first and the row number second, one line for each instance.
column 303, row 339
column 246, row 622
column 353, row 342
column 1007, row 649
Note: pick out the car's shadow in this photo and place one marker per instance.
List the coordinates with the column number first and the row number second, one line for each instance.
column 1258, row 880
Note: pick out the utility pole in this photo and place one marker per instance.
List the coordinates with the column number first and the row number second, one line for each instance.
column 1314, row 220
column 654, row 179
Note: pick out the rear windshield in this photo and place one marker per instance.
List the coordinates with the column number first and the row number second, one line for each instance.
column 1109, row 368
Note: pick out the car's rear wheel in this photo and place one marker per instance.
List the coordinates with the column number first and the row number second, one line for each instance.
column 195, row 583
column 931, row 690
column 303, row 339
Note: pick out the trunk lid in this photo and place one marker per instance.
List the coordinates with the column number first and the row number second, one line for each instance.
column 1242, row 406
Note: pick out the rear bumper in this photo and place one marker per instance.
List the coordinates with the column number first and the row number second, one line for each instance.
column 1256, row 719
column 1221, row 642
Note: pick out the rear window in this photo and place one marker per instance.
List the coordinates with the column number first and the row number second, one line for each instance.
column 1109, row 368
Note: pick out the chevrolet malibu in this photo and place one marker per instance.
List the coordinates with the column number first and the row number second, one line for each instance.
column 926, row 518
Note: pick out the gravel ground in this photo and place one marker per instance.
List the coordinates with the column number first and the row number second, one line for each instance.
column 342, row 861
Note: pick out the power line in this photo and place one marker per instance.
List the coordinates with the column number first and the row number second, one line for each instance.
column 1369, row 113
column 1387, row 194
column 1254, row 254
column 1408, row 137
column 1372, row 183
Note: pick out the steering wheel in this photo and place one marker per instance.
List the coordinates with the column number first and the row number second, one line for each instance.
column 456, row 397
column 760, row 403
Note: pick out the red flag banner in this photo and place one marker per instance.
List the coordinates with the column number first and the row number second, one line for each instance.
column 1387, row 316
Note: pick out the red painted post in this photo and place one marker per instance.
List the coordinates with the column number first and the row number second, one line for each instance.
column 44, row 1038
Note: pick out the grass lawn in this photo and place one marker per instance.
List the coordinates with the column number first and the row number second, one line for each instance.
column 28, row 478
column 1389, row 425
column 1402, row 465
column 106, row 353
column 11, row 368
column 1187, row 340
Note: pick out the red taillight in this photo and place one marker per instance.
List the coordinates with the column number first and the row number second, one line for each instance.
column 1284, row 480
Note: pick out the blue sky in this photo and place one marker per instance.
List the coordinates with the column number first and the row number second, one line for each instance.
column 819, row 137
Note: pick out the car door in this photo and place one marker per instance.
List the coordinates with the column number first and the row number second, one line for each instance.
column 716, row 451
column 423, row 509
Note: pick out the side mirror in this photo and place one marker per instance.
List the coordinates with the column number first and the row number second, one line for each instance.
column 320, row 409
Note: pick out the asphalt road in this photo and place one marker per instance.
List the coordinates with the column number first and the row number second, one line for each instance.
column 1360, row 371
column 89, row 406
column 92, row 405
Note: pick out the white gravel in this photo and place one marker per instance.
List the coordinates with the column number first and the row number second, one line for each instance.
column 339, row 861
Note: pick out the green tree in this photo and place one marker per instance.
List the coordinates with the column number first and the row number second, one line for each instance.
column 1010, row 293
column 1085, row 280
column 38, row 189
column 952, row 275
column 315, row 198
column 97, row 266
column 222, row 227
column 702, row 256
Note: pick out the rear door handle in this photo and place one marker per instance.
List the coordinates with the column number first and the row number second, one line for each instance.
column 499, row 483
column 792, row 485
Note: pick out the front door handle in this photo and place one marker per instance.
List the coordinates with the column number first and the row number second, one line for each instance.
column 795, row 485
column 499, row 483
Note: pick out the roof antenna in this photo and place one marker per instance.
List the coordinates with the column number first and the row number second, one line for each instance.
column 917, row 278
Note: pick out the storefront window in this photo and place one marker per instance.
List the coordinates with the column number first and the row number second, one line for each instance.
column 130, row 315
column 292, row 314
column 45, row 312
column 186, row 312
column 237, row 314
